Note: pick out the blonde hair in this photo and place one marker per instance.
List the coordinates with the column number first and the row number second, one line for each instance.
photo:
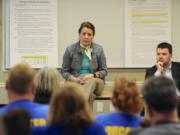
column 69, row 106
column 47, row 78
column 46, row 81
column 127, row 96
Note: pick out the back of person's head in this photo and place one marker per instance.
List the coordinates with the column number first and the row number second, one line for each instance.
column 21, row 78
column 69, row 106
column 126, row 96
column 164, row 45
column 46, row 80
column 160, row 94
column 16, row 122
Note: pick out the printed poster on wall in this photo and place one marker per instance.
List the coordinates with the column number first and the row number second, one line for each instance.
column 147, row 23
column 31, row 32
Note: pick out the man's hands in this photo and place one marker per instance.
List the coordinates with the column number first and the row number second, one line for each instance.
column 159, row 66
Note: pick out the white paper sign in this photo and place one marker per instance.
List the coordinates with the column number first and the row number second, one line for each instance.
column 33, row 32
column 147, row 23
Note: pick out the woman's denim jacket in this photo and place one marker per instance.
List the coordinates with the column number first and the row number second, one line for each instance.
column 73, row 57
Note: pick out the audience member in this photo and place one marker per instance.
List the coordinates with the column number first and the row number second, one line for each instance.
column 69, row 114
column 161, row 104
column 46, row 80
column 128, row 104
column 17, row 122
column 20, row 90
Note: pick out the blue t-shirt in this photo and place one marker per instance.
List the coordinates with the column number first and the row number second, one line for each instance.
column 93, row 129
column 38, row 112
column 118, row 123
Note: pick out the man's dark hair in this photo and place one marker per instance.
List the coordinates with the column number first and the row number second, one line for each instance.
column 164, row 45
column 160, row 94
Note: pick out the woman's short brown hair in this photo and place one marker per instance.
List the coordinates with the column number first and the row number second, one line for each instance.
column 126, row 96
column 87, row 25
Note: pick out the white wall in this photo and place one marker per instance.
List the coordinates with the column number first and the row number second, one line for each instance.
column 106, row 15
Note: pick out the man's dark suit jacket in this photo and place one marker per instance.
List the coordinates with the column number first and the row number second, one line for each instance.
column 175, row 69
